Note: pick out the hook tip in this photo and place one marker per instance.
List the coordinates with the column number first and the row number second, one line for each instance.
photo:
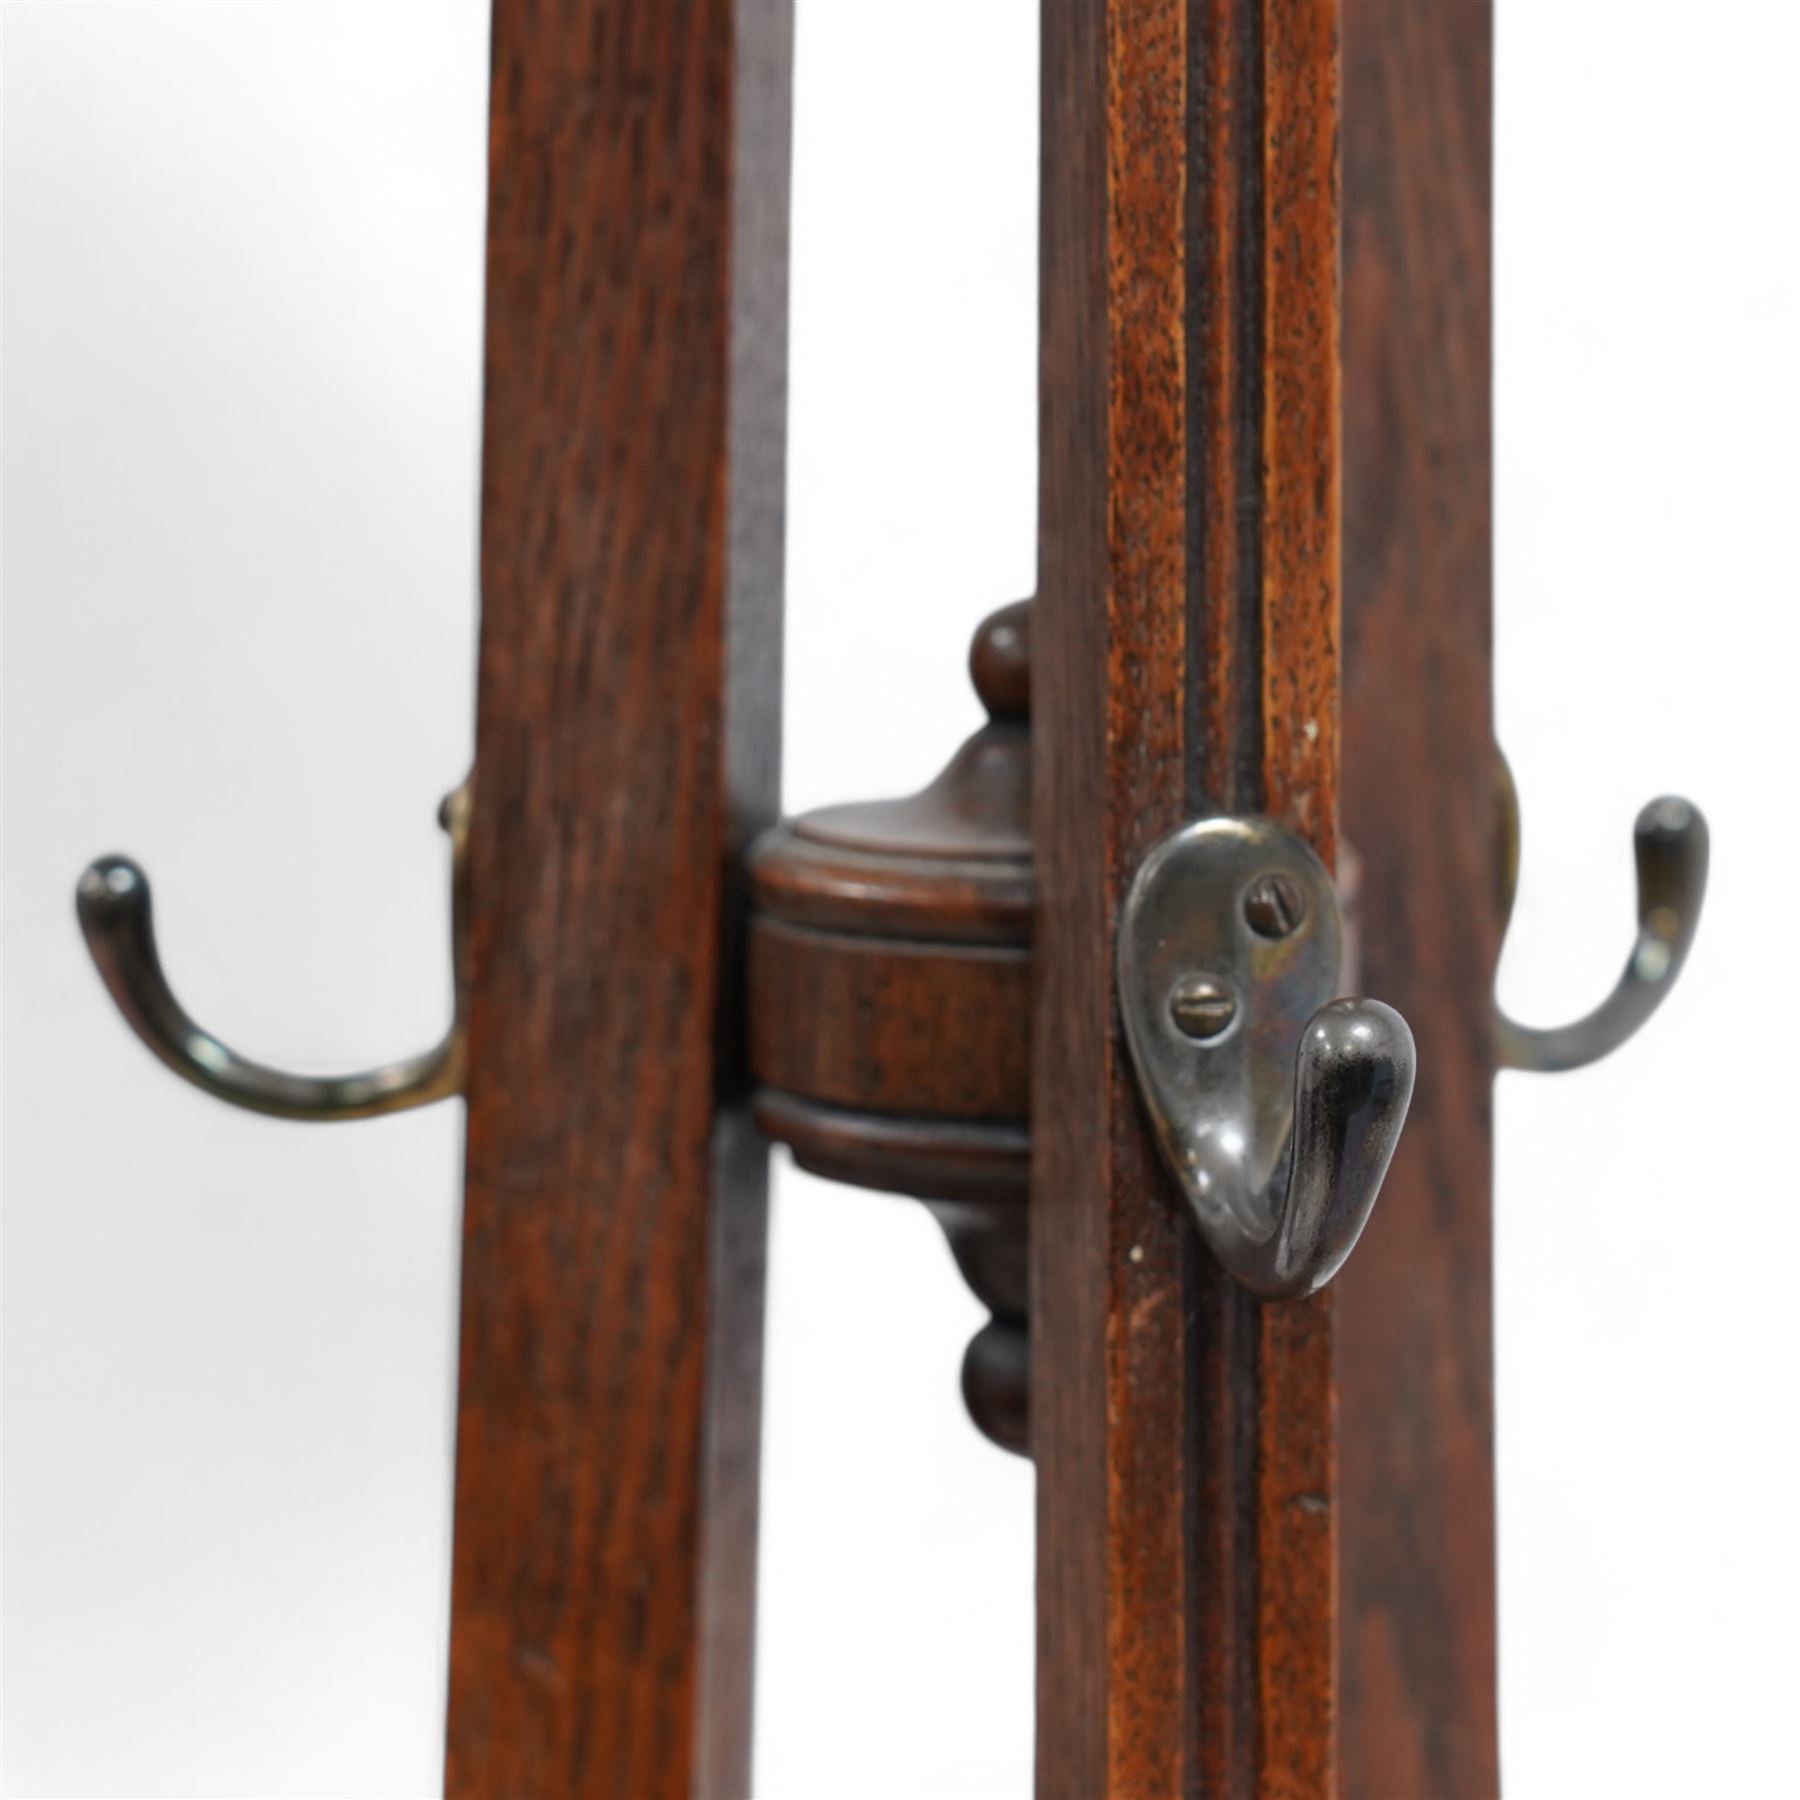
column 1671, row 820
column 1365, row 1041
column 110, row 885
column 1673, row 848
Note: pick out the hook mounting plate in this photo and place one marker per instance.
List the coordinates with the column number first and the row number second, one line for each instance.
column 1276, row 1107
column 1185, row 922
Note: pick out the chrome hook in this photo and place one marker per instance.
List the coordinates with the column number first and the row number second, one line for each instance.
column 1277, row 1107
column 112, row 902
column 1672, row 845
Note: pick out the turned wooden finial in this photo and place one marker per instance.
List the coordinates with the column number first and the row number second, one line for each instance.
column 1000, row 663
column 889, row 990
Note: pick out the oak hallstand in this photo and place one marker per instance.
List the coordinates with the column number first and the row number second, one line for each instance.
column 1140, row 1096
column 1265, row 1532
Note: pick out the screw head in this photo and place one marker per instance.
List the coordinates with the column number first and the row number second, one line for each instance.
column 1274, row 906
column 1201, row 1006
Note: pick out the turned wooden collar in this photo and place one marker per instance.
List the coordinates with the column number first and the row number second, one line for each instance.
column 889, row 1002
column 890, row 958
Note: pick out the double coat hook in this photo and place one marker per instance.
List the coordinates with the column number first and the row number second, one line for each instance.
column 1276, row 1105
column 112, row 902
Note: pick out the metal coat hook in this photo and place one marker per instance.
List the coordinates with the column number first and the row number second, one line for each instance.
column 112, row 901
column 1671, row 844
column 1276, row 1105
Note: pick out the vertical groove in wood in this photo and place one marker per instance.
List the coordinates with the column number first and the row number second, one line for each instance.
column 1185, row 640
column 626, row 748
column 1225, row 327
column 1224, row 1500
column 1415, row 1301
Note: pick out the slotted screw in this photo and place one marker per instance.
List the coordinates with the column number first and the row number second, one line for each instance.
column 1201, row 1007
column 1274, row 906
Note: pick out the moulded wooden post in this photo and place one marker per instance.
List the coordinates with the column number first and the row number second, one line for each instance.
column 1186, row 659
column 602, row 1598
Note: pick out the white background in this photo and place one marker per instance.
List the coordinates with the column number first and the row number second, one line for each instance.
column 242, row 324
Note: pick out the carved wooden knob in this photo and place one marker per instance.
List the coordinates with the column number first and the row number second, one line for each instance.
column 1000, row 662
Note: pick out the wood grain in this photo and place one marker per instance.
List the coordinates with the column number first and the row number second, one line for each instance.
column 1186, row 659
column 890, row 1025
column 603, row 1580
column 1415, row 1302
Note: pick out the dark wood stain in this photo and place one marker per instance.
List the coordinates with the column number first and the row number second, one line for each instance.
column 1191, row 1508
column 603, row 1581
column 1187, row 644
column 1415, row 1307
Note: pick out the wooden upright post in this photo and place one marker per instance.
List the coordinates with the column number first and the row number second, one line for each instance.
column 1186, row 659
column 1415, row 1305
column 602, row 1598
